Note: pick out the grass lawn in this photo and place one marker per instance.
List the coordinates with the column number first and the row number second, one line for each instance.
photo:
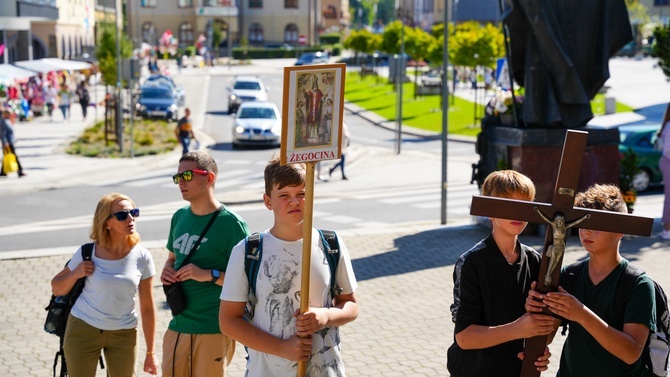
column 426, row 111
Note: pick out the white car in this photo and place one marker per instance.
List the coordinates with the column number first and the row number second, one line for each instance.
column 245, row 89
column 257, row 123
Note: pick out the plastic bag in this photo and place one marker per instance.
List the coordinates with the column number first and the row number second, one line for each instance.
column 9, row 164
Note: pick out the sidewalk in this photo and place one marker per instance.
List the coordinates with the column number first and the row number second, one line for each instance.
column 404, row 273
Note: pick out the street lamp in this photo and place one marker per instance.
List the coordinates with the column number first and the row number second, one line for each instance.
column 400, row 73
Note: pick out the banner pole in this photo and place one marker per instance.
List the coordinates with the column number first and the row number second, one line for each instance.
column 306, row 248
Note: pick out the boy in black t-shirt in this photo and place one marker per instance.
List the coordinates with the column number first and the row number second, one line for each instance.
column 491, row 282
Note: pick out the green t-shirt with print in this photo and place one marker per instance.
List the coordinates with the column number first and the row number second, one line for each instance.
column 201, row 315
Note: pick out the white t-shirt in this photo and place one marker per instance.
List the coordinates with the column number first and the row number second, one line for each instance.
column 278, row 294
column 108, row 299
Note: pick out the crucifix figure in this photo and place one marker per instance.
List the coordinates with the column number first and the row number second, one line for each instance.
column 560, row 215
column 556, row 249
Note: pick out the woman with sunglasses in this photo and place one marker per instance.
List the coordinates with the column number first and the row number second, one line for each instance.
column 104, row 316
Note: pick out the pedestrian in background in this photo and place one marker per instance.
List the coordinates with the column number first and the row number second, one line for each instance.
column 8, row 140
column 84, row 97
column 104, row 319
column 664, row 164
column 193, row 345
column 64, row 99
column 346, row 141
column 184, row 131
column 51, row 99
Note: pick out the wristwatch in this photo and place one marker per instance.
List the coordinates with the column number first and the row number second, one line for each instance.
column 215, row 275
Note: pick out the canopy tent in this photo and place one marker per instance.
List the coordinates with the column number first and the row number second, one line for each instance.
column 10, row 72
column 52, row 64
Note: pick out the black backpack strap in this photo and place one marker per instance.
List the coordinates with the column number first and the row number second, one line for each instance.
column 87, row 251
column 331, row 247
column 567, row 281
column 252, row 260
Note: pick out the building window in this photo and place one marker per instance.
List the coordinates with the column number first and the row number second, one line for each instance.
column 185, row 3
column 291, row 34
column 291, row 4
column 255, row 3
column 219, row 3
column 149, row 33
column 256, row 33
column 330, row 12
column 186, row 34
column 149, row 3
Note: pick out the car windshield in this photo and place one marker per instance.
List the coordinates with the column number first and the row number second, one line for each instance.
column 156, row 93
column 257, row 113
column 160, row 79
column 247, row 85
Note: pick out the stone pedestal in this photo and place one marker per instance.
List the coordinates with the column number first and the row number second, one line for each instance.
column 536, row 152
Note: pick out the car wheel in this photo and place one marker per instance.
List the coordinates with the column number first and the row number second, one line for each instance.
column 641, row 180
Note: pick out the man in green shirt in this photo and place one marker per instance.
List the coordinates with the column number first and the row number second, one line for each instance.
column 193, row 345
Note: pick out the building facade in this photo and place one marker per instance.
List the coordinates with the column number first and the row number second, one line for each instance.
column 255, row 22
column 28, row 29
column 35, row 29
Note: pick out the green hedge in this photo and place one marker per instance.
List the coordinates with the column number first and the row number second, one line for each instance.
column 277, row 53
column 330, row 38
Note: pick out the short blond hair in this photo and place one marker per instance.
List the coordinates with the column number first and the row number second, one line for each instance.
column 508, row 183
column 99, row 232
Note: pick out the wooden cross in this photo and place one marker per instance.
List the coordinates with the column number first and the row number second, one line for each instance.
column 559, row 215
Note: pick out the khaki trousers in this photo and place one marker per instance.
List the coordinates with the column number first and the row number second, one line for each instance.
column 84, row 342
column 195, row 355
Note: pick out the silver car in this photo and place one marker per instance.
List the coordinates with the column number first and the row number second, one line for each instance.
column 257, row 123
column 244, row 89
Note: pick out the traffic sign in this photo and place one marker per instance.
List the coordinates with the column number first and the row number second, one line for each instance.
column 302, row 39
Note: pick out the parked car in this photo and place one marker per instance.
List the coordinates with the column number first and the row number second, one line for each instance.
column 244, row 89
column 177, row 91
column 257, row 123
column 641, row 139
column 157, row 101
column 312, row 58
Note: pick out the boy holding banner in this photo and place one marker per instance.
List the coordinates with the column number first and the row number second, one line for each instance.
column 278, row 336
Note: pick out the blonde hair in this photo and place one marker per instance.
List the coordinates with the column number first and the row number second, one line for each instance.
column 508, row 183
column 99, row 232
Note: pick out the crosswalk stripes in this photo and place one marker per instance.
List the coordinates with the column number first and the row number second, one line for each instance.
column 418, row 198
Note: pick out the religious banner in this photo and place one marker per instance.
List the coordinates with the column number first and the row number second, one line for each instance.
column 312, row 110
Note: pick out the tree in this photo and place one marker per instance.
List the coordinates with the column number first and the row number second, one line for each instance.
column 418, row 46
column 217, row 37
column 474, row 45
column 359, row 41
column 661, row 49
column 106, row 52
column 391, row 37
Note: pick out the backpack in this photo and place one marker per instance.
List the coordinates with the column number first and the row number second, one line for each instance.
column 254, row 253
column 58, row 311
column 84, row 96
column 657, row 348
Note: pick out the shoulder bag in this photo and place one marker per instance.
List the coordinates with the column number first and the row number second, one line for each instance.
column 174, row 293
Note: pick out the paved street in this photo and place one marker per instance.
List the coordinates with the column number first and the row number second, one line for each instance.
column 404, row 272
